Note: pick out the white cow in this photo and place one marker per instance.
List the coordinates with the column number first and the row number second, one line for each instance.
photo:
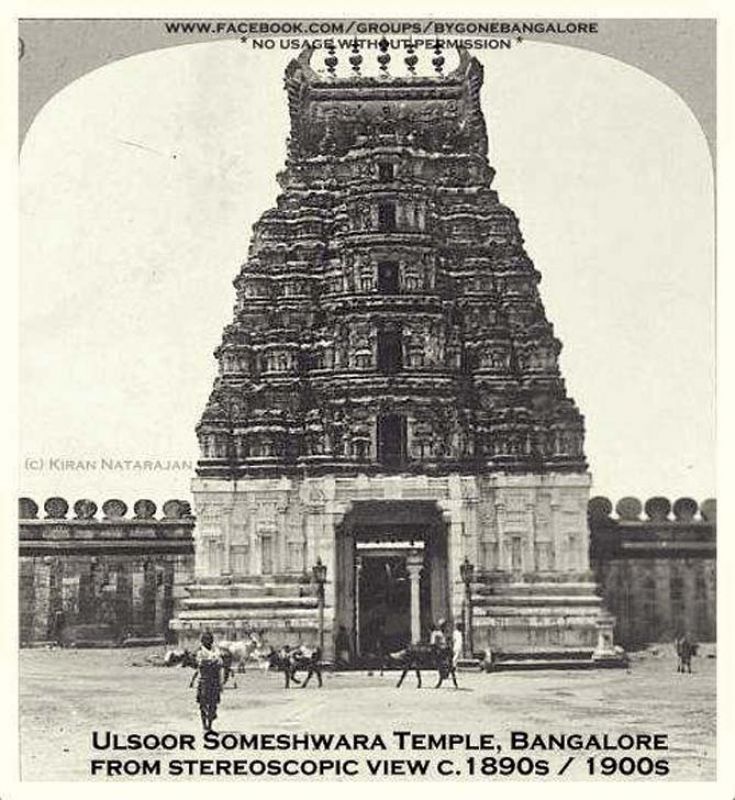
column 241, row 652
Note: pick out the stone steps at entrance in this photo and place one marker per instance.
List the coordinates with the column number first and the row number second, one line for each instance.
column 534, row 588
column 531, row 657
column 535, row 616
column 535, row 600
column 274, row 603
column 273, row 579
column 537, row 624
column 261, row 615
column 543, row 609
column 248, row 589
column 518, row 664
column 233, row 607
column 237, row 625
column 534, row 653
column 542, row 663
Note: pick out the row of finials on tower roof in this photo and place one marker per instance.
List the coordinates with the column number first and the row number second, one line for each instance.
column 356, row 59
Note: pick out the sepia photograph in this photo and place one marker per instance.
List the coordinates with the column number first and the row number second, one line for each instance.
column 367, row 399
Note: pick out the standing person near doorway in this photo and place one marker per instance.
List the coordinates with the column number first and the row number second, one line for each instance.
column 443, row 654
column 451, row 655
column 457, row 644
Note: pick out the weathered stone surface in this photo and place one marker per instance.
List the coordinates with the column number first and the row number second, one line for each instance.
column 658, row 575
column 144, row 509
column 114, row 509
column 708, row 510
column 685, row 508
column 658, row 508
column 85, row 509
column 600, row 507
column 27, row 508
column 173, row 509
column 56, row 508
column 629, row 508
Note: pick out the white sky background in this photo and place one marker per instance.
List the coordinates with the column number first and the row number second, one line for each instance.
column 140, row 183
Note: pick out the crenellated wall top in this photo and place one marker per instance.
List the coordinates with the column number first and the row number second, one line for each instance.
column 658, row 510
column 58, row 509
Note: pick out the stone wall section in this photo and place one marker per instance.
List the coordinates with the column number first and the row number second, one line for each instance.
column 99, row 580
column 656, row 564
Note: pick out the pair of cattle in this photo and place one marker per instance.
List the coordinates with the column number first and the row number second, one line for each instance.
column 414, row 658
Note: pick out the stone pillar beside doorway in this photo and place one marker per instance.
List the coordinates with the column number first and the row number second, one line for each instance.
column 452, row 514
column 414, row 566
column 336, row 550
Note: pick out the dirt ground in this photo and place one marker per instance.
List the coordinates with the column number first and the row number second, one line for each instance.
column 65, row 695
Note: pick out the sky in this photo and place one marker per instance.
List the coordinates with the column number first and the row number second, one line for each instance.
column 139, row 186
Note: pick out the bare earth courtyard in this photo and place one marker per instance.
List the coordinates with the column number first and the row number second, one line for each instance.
column 65, row 695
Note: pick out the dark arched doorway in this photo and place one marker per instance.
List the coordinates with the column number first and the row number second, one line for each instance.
column 391, row 576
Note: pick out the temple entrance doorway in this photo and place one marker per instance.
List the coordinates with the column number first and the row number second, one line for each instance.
column 391, row 576
column 383, row 612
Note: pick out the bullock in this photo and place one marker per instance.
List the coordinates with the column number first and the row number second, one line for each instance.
column 424, row 656
column 685, row 649
column 242, row 652
column 180, row 658
column 237, row 654
column 290, row 660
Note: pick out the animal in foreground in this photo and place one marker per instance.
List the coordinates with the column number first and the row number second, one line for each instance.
column 290, row 660
column 179, row 657
column 236, row 654
column 424, row 656
column 250, row 649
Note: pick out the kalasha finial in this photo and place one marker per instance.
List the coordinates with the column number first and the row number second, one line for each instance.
column 356, row 57
column 438, row 60
column 411, row 59
column 331, row 60
column 384, row 57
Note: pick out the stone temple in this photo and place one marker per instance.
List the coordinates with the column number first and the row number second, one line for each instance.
column 389, row 402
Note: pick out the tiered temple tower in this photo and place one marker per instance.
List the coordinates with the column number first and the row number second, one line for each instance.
column 389, row 399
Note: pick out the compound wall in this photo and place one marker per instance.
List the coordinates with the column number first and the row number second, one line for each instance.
column 116, row 579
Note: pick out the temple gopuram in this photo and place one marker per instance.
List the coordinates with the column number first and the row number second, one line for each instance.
column 389, row 442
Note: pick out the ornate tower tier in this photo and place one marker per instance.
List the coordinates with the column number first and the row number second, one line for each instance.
column 389, row 392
